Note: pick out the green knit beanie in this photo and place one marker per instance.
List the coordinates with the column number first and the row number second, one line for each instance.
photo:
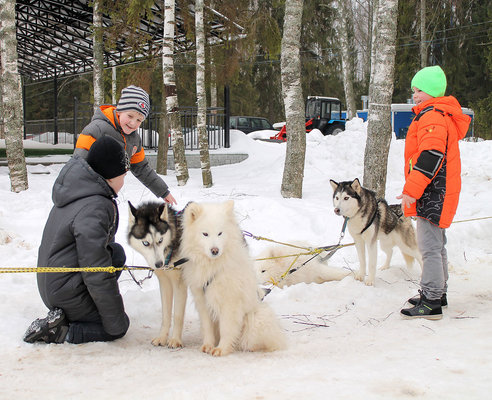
column 430, row 80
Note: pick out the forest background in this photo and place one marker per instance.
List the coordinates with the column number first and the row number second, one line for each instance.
column 458, row 38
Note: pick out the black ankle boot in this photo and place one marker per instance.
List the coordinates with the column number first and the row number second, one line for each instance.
column 414, row 300
column 425, row 308
column 52, row 329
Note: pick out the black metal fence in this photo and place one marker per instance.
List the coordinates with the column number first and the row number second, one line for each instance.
column 64, row 130
column 216, row 128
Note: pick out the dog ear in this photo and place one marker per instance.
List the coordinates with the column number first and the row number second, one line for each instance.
column 356, row 185
column 333, row 184
column 229, row 206
column 132, row 214
column 193, row 210
column 163, row 212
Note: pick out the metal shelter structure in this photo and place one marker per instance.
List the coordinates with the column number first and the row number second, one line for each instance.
column 55, row 37
column 55, row 40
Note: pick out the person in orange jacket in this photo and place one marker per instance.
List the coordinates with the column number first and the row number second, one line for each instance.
column 121, row 123
column 432, row 183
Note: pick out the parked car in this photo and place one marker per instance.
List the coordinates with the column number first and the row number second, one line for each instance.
column 249, row 124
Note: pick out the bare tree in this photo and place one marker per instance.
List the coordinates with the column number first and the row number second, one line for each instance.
column 380, row 94
column 213, row 83
column 290, row 64
column 363, row 14
column 12, row 98
column 98, row 55
column 201, row 95
column 344, row 26
column 423, row 34
column 169, row 78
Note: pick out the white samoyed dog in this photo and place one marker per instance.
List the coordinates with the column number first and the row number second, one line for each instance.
column 221, row 277
column 280, row 265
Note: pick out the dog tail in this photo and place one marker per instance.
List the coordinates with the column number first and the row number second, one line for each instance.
column 328, row 273
column 262, row 331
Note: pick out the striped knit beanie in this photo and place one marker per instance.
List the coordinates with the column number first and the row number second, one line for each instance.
column 134, row 98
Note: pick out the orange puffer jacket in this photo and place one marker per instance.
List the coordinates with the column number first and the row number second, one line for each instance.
column 433, row 136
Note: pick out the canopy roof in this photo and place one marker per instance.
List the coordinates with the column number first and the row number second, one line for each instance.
column 55, row 37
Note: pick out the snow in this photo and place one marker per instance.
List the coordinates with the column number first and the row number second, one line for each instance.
column 346, row 340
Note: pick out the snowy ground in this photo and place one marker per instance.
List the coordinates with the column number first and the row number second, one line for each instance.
column 346, row 340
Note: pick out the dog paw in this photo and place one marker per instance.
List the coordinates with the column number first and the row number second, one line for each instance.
column 159, row 341
column 207, row 348
column 174, row 344
column 369, row 281
column 219, row 352
column 384, row 267
column 359, row 276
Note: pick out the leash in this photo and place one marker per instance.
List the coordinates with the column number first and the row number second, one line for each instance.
column 110, row 269
column 309, row 251
column 471, row 219
column 249, row 234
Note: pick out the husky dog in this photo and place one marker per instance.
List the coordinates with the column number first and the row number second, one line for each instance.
column 154, row 230
column 371, row 219
column 276, row 261
column 222, row 280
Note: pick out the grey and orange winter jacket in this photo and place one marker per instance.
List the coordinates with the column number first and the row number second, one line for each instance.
column 105, row 122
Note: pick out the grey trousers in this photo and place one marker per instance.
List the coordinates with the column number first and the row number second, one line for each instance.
column 431, row 241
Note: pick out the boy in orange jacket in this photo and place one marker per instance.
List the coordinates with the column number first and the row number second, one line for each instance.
column 432, row 183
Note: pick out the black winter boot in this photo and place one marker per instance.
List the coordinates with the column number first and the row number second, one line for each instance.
column 425, row 308
column 52, row 329
column 415, row 300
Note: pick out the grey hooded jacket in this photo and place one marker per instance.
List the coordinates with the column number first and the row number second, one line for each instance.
column 82, row 222
column 102, row 125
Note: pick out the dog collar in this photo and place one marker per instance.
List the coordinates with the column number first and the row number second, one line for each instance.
column 168, row 258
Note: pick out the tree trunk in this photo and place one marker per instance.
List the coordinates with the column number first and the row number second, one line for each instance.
column 163, row 145
column 344, row 26
column 201, row 95
column 180, row 164
column 213, row 84
column 423, row 34
column 98, row 55
column 290, row 65
column 371, row 4
column 380, row 93
column 2, row 131
column 114, row 94
column 12, row 109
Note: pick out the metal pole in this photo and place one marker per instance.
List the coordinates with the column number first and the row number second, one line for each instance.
column 227, row 106
column 55, row 115
column 75, row 116
column 24, row 107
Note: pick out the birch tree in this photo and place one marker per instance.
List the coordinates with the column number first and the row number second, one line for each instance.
column 163, row 144
column 344, row 27
column 169, row 78
column 380, row 94
column 12, row 109
column 290, row 65
column 98, row 55
column 201, row 95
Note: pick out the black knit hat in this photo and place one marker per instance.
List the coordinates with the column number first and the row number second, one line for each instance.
column 108, row 158
column 134, row 98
